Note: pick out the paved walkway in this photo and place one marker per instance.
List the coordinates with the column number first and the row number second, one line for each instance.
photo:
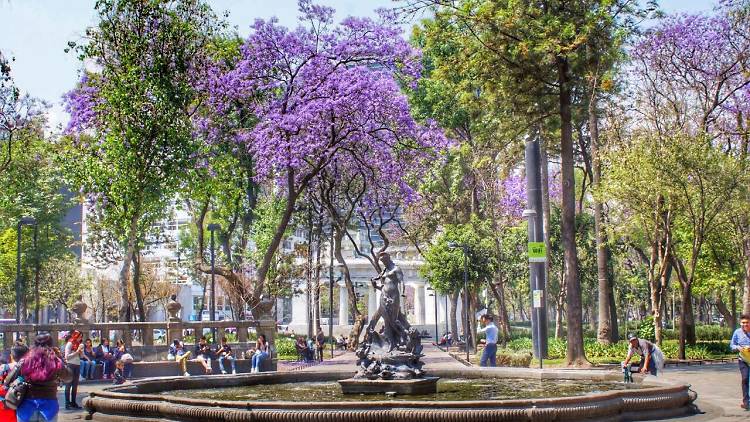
column 717, row 385
column 718, row 388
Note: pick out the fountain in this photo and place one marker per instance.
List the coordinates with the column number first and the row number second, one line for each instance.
column 390, row 363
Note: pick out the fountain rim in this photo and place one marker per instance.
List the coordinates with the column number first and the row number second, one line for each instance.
column 652, row 387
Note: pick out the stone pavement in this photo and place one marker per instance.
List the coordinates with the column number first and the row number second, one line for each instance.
column 718, row 388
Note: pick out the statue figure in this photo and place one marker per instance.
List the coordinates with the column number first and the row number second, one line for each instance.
column 173, row 307
column 395, row 354
column 79, row 308
column 395, row 324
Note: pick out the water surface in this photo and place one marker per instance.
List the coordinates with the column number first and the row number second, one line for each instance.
column 448, row 390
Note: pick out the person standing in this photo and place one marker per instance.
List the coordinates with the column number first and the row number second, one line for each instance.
column 42, row 368
column 225, row 353
column 17, row 353
column 488, row 327
column 652, row 358
column 119, row 374
column 741, row 344
column 320, row 344
column 73, row 353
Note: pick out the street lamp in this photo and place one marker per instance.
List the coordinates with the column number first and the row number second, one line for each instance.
column 330, row 293
column 212, row 228
column 434, row 295
column 25, row 221
column 465, row 249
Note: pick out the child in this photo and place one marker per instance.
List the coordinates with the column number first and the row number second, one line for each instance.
column 16, row 353
column 119, row 375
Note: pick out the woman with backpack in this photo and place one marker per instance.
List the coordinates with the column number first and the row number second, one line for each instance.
column 40, row 372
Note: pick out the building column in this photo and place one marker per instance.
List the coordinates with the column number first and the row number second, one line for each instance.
column 299, row 307
column 372, row 301
column 418, row 304
column 429, row 305
column 343, row 305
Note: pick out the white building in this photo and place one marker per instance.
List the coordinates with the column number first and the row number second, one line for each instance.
column 164, row 257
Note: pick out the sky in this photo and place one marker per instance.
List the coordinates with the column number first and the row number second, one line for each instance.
column 36, row 32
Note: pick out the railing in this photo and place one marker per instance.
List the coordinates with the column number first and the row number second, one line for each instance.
column 139, row 336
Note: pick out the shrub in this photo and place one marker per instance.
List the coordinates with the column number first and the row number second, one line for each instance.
column 516, row 360
column 646, row 329
column 285, row 349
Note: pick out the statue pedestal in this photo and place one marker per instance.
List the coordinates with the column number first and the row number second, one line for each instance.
column 427, row 385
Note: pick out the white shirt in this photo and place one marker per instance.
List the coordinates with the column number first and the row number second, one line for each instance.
column 491, row 331
column 71, row 356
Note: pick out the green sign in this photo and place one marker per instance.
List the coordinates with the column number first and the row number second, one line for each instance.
column 537, row 252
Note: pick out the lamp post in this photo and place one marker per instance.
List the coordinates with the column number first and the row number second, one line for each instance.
column 24, row 221
column 434, row 295
column 330, row 288
column 212, row 228
column 465, row 249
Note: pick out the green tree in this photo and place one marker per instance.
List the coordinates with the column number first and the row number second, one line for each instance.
column 444, row 265
column 138, row 103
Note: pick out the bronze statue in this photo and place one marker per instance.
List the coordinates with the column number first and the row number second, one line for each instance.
column 395, row 325
column 396, row 354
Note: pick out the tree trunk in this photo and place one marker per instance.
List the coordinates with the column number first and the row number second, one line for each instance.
column 137, row 286
column 687, row 321
column 351, row 293
column 498, row 290
column 454, row 320
column 576, row 355
column 746, row 298
column 605, row 331
column 613, row 310
column 559, row 321
column 724, row 311
column 278, row 236
column 546, row 209
column 124, row 277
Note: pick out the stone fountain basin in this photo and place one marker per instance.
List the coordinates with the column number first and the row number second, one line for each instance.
column 145, row 400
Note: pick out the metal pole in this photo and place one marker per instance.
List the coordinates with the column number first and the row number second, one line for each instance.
column 446, row 314
column 18, row 274
column 213, row 291
column 467, row 328
column 537, row 281
column 434, row 293
column 330, row 297
column 36, row 275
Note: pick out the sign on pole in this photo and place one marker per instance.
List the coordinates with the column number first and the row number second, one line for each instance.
column 537, row 252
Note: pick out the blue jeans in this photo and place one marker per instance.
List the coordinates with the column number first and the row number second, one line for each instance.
column 33, row 410
column 745, row 383
column 490, row 350
column 257, row 358
column 221, row 363
column 87, row 369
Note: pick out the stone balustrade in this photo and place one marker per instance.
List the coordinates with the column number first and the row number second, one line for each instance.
column 139, row 336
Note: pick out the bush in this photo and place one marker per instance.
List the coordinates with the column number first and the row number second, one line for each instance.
column 515, row 360
column 285, row 349
column 646, row 329
column 557, row 348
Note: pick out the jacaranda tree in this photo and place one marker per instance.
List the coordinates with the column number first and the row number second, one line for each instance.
column 321, row 93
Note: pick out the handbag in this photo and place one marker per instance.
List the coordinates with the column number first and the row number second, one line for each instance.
column 127, row 358
column 17, row 387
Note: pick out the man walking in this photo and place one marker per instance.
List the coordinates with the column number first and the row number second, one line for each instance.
column 490, row 347
column 741, row 344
